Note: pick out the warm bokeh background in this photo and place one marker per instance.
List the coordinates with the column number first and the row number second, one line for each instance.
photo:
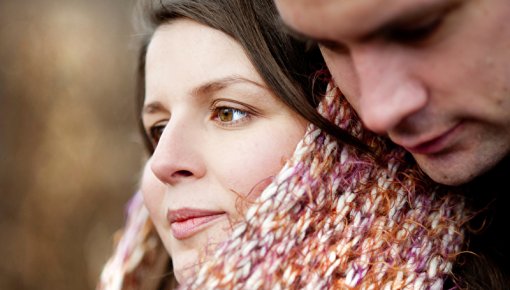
column 70, row 153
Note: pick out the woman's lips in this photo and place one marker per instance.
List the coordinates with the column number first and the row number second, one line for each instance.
column 435, row 145
column 186, row 222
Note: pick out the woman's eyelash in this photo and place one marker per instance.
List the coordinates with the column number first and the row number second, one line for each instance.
column 229, row 116
column 154, row 133
column 231, row 113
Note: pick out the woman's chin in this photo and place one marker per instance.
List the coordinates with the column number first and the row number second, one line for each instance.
column 188, row 254
column 184, row 269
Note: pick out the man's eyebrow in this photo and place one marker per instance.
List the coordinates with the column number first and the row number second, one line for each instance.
column 308, row 40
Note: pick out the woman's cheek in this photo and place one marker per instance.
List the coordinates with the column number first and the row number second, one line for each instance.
column 253, row 170
column 152, row 190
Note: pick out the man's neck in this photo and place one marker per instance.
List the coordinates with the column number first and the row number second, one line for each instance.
column 489, row 195
column 492, row 185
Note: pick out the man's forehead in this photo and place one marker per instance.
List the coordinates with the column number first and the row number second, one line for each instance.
column 349, row 18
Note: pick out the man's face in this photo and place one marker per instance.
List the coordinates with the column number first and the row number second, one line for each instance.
column 433, row 75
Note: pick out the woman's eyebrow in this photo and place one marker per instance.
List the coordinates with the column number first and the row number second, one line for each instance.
column 208, row 87
column 152, row 108
column 221, row 83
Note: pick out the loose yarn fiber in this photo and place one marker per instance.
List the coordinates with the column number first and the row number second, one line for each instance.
column 139, row 259
column 335, row 219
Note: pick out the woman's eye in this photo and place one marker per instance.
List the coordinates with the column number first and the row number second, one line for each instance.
column 228, row 115
column 155, row 132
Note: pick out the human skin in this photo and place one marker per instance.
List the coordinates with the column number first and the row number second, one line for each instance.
column 433, row 75
column 222, row 136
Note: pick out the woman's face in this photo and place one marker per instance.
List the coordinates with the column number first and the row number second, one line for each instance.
column 221, row 135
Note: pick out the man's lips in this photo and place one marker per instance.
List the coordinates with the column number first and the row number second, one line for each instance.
column 186, row 222
column 432, row 145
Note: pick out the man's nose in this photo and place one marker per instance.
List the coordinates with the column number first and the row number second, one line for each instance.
column 389, row 90
column 177, row 157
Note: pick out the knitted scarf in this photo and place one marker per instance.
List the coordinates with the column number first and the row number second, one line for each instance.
column 333, row 218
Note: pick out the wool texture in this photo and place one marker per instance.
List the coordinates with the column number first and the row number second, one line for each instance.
column 139, row 260
column 332, row 218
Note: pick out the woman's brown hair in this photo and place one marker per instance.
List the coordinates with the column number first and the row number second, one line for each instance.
column 293, row 70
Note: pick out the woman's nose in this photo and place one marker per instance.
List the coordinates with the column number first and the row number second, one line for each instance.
column 178, row 157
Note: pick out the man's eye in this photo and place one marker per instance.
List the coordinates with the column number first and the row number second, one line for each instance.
column 416, row 33
column 229, row 115
column 155, row 132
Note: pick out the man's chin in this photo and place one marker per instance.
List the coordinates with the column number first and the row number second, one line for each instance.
column 443, row 172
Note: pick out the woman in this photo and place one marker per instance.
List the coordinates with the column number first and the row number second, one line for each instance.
column 245, row 193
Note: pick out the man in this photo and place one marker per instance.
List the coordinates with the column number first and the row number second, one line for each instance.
column 434, row 75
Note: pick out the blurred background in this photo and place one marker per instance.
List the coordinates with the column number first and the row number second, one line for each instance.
column 70, row 153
